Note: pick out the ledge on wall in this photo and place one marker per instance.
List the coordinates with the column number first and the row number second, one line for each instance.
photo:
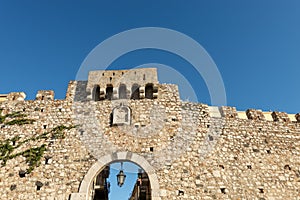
column 252, row 114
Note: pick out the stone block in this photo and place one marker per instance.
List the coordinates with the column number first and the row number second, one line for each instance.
column 255, row 114
column 280, row 117
column 228, row 112
column 45, row 95
column 16, row 96
column 78, row 196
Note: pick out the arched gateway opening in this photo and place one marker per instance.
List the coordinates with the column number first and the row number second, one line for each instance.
column 87, row 190
column 121, row 181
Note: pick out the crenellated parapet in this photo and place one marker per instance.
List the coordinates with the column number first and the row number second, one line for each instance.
column 252, row 114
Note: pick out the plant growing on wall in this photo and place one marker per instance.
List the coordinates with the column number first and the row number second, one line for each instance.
column 16, row 118
column 32, row 155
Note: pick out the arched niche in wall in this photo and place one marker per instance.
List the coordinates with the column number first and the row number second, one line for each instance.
column 109, row 92
column 149, row 91
column 96, row 93
column 121, row 115
column 122, row 92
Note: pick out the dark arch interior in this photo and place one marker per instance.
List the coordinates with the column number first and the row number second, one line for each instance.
column 96, row 93
column 135, row 91
column 149, row 91
column 105, row 183
column 109, row 92
column 122, row 92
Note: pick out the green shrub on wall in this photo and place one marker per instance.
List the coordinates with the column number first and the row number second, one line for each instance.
column 32, row 155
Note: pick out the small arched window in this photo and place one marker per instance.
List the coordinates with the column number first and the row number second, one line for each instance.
column 96, row 93
column 135, row 91
column 122, row 92
column 109, row 92
column 149, row 91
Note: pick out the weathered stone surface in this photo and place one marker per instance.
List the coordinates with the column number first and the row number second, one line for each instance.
column 255, row 114
column 45, row 95
column 188, row 152
column 228, row 112
column 280, row 116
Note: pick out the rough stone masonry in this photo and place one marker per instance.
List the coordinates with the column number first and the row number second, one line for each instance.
column 53, row 149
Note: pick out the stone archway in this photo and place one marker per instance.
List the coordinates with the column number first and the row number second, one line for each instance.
column 86, row 183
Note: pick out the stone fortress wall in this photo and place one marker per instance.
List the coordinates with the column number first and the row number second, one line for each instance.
column 189, row 150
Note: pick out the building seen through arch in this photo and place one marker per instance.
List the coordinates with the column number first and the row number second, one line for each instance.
column 136, row 185
column 142, row 189
column 101, row 186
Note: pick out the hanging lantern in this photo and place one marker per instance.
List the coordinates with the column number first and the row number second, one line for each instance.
column 121, row 176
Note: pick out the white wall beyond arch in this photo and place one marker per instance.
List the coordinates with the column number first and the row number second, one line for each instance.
column 86, row 183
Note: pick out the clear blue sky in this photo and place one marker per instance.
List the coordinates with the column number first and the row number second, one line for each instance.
column 255, row 44
column 124, row 192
